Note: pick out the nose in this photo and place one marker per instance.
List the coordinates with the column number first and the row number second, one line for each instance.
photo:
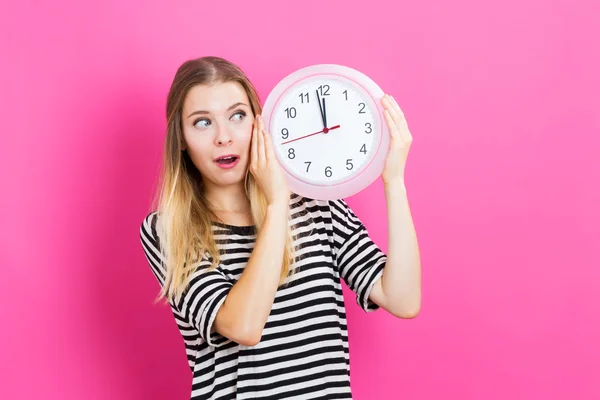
column 223, row 136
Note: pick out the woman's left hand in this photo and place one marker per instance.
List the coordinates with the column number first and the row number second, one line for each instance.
column 400, row 141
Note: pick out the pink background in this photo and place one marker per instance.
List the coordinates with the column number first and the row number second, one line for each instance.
column 502, row 100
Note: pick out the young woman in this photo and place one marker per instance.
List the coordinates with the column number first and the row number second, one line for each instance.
column 252, row 272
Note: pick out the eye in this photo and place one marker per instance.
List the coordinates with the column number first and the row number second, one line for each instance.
column 201, row 121
column 240, row 114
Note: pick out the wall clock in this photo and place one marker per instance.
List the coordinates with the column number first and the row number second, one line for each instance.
column 328, row 130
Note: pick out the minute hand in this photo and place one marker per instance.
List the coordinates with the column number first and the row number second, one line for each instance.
column 321, row 109
column 324, row 115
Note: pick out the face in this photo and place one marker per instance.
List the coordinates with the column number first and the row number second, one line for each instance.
column 217, row 121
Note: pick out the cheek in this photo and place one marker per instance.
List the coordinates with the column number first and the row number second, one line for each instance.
column 198, row 150
column 244, row 132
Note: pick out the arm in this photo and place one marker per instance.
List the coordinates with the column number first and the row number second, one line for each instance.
column 399, row 289
column 244, row 312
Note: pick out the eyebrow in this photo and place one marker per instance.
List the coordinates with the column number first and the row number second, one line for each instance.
column 230, row 108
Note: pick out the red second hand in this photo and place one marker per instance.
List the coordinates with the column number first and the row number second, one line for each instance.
column 326, row 130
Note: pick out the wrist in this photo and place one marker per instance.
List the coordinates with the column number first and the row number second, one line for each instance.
column 278, row 205
column 395, row 185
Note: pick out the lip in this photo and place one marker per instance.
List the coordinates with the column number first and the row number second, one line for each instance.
column 228, row 166
column 227, row 155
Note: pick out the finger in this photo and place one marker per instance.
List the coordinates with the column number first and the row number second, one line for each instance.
column 392, row 125
column 261, row 140
column 269, row 152
column 398, row 117
column 402, row 123
column 396, row 107
column 387, row 102
column 254, row 144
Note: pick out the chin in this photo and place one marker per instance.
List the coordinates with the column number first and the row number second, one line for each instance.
column 230, row 177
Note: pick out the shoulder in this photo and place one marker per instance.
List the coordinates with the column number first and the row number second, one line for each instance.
column 149, row 225
column 308, row 203
column 150, row 218
column 339, row 207
column 336, row 207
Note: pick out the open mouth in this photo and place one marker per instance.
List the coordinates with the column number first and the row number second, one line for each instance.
column 227, row 160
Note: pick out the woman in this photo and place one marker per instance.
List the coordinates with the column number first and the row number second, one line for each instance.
column 253, row 272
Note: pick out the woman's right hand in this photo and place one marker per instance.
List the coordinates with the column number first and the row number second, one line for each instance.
column 265, row 167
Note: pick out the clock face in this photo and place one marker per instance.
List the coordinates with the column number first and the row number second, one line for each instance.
column 326, row 152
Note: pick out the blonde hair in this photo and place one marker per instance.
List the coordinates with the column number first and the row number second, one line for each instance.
column 185, row 215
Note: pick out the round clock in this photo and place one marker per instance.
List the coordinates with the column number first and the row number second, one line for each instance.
column 328, row 130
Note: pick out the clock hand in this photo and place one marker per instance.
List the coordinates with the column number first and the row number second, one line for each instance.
column 324, row 114
column 321, row 109
column 326, row 130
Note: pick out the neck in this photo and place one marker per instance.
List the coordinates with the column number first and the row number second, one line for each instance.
column 228, row 198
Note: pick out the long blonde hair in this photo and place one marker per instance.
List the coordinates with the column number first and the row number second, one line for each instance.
column 185, row 215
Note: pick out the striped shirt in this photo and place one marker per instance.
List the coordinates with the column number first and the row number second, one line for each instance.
column 303, row 352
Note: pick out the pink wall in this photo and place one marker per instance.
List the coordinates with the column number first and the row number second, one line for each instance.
column 503, row 177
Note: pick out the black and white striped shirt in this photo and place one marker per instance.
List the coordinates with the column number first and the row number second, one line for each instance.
column 303, row 352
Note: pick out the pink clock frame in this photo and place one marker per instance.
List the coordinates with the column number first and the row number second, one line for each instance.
column 368, row 172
